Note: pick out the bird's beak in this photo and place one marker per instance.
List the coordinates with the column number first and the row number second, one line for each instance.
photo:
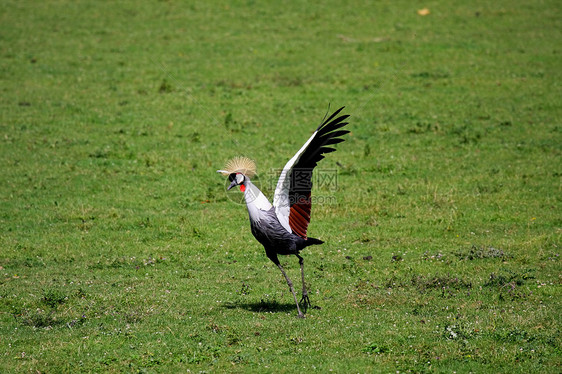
column 231, row 185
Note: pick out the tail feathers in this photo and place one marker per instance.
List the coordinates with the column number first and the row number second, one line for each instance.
column 313, row 241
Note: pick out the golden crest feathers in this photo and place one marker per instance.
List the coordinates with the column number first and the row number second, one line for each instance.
column 240, row 164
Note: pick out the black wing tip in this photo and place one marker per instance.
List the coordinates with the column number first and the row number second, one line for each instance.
column 329, row 129
column 339, row 119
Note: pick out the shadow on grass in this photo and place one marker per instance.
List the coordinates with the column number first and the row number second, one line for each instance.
column 262, row 306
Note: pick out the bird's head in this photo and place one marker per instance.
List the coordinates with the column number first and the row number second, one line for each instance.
column 236, row 179
column 239, row 169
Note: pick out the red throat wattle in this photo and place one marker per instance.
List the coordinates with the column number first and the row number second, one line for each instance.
column 242, row 188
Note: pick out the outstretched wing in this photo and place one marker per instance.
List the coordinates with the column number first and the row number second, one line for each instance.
column 292, row 195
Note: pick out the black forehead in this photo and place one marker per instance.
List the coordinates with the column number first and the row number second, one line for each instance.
column 231, row 176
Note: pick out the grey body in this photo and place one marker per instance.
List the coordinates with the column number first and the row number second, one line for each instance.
column 266, row 227
column 274, row 238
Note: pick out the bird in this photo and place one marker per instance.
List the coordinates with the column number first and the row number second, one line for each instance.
column 281, row 227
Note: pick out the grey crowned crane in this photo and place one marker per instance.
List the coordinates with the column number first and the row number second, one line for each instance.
column 281, row 228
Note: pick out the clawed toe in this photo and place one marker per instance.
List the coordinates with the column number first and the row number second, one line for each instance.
column 305, row 302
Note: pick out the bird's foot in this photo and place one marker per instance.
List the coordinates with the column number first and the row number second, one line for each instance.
column 305, row 302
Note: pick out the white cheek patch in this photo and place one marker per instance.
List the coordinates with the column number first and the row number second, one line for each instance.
column 239, row 178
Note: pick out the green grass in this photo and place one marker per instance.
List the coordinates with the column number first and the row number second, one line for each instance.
column 120, row 250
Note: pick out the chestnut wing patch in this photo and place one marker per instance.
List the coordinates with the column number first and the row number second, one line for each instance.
column 299, row 216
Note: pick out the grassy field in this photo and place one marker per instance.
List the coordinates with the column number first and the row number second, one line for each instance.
column 121, row 251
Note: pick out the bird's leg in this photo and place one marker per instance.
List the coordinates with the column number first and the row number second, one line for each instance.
column 301, row 315
column 305, row 300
